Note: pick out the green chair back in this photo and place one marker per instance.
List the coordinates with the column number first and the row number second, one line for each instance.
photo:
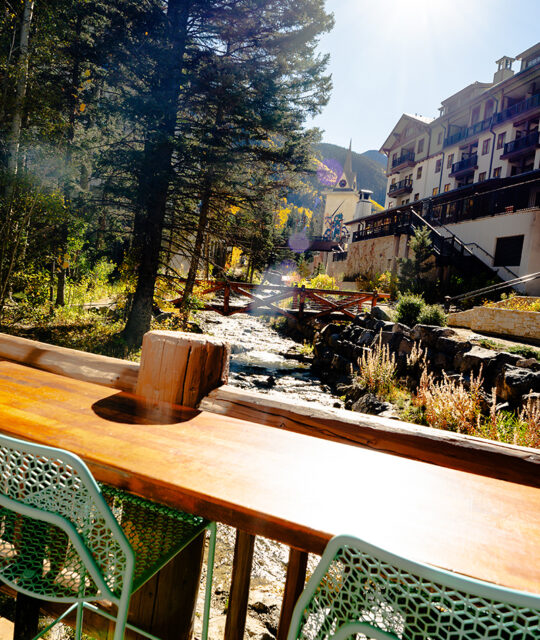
column 59, row 540
column 361, row 591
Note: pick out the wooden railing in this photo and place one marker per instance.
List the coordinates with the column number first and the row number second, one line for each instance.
column 229, row 298
column 193, row 370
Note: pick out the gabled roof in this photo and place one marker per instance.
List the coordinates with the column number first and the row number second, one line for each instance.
column 406, row 118
column 468, row 89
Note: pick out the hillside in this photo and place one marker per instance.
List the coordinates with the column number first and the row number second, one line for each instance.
column 369, row 171
column 376, row 156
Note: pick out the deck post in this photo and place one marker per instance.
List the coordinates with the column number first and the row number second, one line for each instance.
column 180, row 368
column 226, row 296
column 302, row 301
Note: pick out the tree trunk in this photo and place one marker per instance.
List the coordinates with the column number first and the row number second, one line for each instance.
column 14, row 136
column 155, row 176
column 197, row 248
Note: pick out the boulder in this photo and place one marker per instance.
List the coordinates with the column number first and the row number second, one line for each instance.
column 341, row 364
column 405, row 345
column 428, row 334
column 401, row 328
column 391, row 339
column 515, row 382
column 366, row 338
column 450, row 346
column 370, row 403
column 330, row 330
column 380, row 313
column 473, row 359
column 528, row 363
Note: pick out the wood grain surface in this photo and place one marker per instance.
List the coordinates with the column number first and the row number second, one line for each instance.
column 287, row 486
column 445, row 448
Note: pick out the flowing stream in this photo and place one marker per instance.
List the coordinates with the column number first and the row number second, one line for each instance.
column 261, row 359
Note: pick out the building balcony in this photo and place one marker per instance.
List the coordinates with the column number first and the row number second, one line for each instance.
column 467, row 132
column 517, row 109
column 521, row 146
column 406, row 159
column 401, row 187
column 465, row 166
column 339, row 256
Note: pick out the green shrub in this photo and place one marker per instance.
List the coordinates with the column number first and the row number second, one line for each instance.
column 432, row 314
column 408, row 309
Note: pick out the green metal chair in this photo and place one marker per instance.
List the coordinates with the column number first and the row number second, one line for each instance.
column 361, row 591
column 63, row 538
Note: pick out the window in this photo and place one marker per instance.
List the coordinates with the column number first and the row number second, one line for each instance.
column 419, row 173
column 482, row 176
column 500, row 140
column 420, row 145
column 435, row 191
column 485, row 147
column 406, row 201
column 488, row 110
column 417, row 195
column 450, row 161
column 508, row 251
column 394, row 157
column 439, row 137
column 393, row 181
column 497, row 172
column 447, row 187
column 475, row 115
column 438, row 165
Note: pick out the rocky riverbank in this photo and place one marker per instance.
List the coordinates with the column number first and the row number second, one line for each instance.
column 337, row 349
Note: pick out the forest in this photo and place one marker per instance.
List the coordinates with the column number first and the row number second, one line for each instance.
column 138, row 135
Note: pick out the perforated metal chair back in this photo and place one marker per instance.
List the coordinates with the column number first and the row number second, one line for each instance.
column 361, row 591
column 59, row 540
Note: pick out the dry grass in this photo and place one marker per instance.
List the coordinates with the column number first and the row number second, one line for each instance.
column 449, row 405
column 377, row 369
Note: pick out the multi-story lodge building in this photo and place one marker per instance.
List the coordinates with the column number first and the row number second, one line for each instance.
column 472, row 174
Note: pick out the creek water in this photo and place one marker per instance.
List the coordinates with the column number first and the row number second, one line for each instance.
column 261, row 359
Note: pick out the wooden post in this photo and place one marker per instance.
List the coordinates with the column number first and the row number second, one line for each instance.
column 238, row 597
column 302, row 301
column 181, row 368
column 26, row 617
column 226, row 295
column 295, row 298
column 294, row 585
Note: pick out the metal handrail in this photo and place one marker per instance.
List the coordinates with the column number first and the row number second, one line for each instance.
column 521, row 143
column 494, row 287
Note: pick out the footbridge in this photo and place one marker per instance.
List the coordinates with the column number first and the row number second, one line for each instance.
column 228, row 298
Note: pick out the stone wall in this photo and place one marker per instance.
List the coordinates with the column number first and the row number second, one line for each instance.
column 501, row 322
column 375, row 254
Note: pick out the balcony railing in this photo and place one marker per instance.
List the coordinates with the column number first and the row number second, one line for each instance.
column 523, row 144
column 403, row 186
column 340, row 256
column 466, row 164
column 404, row 158
column 467, row 132
column 517, row 109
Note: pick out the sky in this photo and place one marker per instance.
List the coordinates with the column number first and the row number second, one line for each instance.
column 389, row 57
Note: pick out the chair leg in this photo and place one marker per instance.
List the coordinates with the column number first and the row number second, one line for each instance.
column 79, row 621
column 209, row 576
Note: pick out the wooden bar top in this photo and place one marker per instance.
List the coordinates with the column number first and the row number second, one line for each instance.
column 287, row 486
